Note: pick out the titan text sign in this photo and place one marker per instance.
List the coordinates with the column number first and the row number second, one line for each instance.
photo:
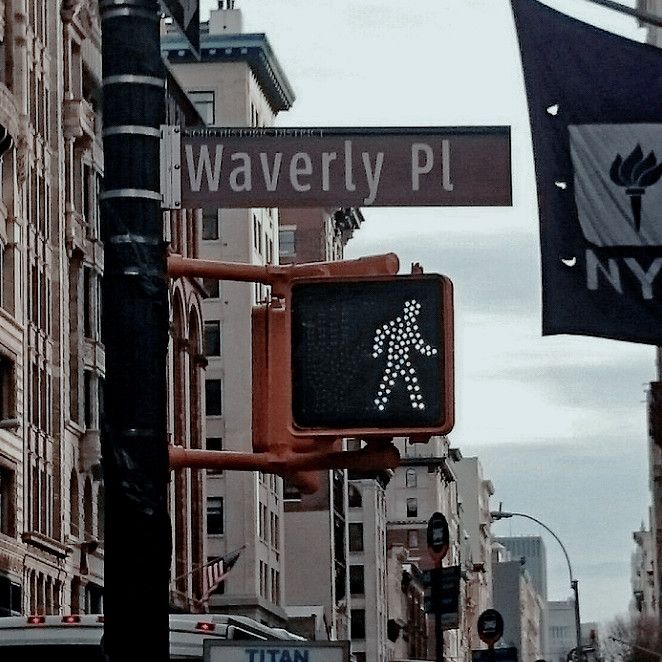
column 216, row 650
column 344, row 167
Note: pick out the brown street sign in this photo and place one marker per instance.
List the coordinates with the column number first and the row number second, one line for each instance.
column 344, row 167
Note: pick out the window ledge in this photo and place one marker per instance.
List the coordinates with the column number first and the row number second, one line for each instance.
column 46, row 544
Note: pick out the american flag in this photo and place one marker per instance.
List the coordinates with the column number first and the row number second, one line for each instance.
column 217, row 570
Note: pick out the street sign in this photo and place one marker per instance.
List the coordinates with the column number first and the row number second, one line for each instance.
column 186, row 15
column 495, row 655
column 438, row 534
column 490, row 626
column 443, row 595
column 372, row 355
column 343, row 167
column 274, row 651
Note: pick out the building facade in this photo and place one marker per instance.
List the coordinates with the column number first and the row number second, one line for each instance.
column 474, row 495
column 317, row 574
column 239, row 83
column 520, row 604
column 52, row 360
column 425, row 483
column 367, row 566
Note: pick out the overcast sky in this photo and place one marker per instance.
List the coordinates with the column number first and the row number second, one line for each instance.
column 558, row 422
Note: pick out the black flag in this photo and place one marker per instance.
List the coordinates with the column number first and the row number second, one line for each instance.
column 595, row 105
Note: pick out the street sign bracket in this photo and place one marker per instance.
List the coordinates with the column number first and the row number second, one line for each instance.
column 171, row 181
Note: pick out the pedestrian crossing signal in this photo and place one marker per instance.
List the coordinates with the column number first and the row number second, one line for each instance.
column 372, row 356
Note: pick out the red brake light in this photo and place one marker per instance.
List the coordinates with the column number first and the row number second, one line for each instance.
column 36, row 620
column 205, row 626
column 72, row 618
column 100, row 619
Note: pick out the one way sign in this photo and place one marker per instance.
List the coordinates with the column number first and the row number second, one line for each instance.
column 186, row 15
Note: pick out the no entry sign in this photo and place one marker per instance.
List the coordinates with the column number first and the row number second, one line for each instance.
column 342, row 167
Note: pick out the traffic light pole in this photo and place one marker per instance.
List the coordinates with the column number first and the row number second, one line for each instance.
column 277, row 450
column 135, row 334
column 439, row 631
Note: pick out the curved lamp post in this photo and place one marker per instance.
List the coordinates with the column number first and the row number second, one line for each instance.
column 503, row 514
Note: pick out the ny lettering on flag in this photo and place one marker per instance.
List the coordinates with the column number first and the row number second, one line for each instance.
column 595, row 107
column 217, row 570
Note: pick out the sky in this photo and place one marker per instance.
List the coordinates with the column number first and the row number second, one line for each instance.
column 559, row 422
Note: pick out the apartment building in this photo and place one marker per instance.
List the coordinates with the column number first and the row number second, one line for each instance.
column 474, row 495
column 424, row 483
column 644, row 597
column 317, row 592
column 520, row 604
column 238, row 82
column 367, row 565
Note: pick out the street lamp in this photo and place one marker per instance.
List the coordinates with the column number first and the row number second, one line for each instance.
column 503, row 514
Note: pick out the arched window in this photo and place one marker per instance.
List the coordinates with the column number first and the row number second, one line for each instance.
column 410, row 478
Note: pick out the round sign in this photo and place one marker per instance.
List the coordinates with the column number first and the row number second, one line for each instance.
column 490, row 626
column 438, row 534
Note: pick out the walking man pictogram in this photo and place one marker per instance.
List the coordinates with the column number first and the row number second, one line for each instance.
column 398, row 337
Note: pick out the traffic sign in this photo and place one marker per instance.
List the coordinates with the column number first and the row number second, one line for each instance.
column 372, row 356
column 340, row 167
column 495, row 655
column 443, row 595
column 438, row 534
column 186, row 15
column 490, row 626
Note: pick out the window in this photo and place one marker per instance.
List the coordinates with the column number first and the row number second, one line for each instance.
column 7, row 501
column 90, row 397
column 412, row 539
column 203, row 101
column 87, row 302
column 354, row 496
column 214, row 444
column 412, row 507
column 212, row 287
column 214, row 397
column 210, row 224
column 214, row 516
column 355, row 537
column 286, row 242
column 356, row 580
column 213, row 338
column 7, row 388
column 410, row 478
column 358, row 624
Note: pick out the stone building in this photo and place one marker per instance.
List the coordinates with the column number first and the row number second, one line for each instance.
column 52, row 360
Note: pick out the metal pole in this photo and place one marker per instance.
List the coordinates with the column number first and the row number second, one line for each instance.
column 578, row 625
column 639, row 14
column 135, row 334
column 438, row 629
column 573, row 582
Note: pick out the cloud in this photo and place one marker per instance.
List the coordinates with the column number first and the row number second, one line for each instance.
column 592, row 494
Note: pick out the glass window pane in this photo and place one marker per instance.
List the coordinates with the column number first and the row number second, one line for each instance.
column 214, row 397
column 214, row 516
column 213, row 338
column 210, row 224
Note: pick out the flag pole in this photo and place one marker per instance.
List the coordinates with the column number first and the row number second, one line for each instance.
column 202, row 566
column 640, row 14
